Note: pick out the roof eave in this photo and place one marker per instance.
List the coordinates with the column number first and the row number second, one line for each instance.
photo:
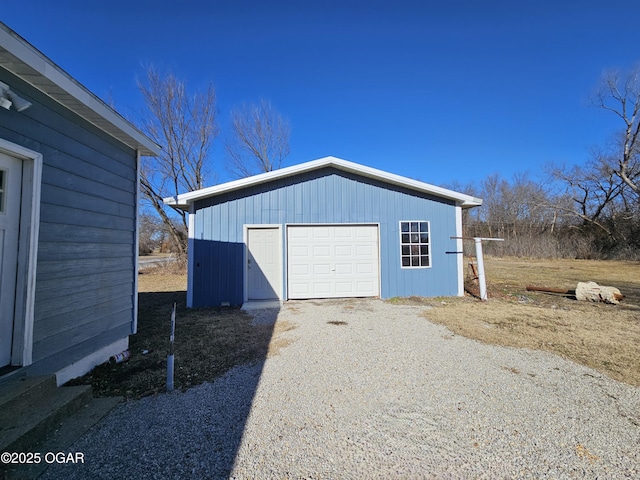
column 184, row 200
column 26, row 62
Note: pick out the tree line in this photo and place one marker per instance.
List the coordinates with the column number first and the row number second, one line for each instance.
column 590, row 210
column 582, row 211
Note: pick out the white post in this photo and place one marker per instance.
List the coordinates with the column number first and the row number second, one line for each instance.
column 481, row 278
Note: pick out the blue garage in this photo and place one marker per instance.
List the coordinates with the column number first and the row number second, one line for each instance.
column 323, row 229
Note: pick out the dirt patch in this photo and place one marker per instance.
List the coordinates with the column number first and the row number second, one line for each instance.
column 604, row 337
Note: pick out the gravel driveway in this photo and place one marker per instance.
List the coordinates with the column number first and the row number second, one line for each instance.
column 366, row 389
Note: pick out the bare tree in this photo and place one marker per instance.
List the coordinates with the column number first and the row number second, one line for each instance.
column 620, row 94
column 595, row 190
column 185, row 126
column 608, row 186
column 259, row 140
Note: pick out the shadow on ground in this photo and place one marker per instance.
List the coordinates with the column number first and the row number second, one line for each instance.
column 191, row 431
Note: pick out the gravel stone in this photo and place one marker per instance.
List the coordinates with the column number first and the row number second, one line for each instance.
column 367, row 389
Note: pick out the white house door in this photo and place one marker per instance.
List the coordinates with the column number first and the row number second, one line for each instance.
column 264, row 277
column 10, row 193
column 332, row 261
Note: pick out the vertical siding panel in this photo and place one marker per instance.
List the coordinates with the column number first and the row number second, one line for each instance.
column 212, row 263
column 311, row 202
column 265, row 207
column 390, row 274
column 342, row 206
column 329, row 195
column 241, row 218
column 248, row 211
column 279, row 200
column 322, row 197
column 233, row 246
column 298, row 218
column 354, row 209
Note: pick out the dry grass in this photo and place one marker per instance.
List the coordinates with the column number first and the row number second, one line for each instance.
column 211, row 341
column 208, row 341
column 604, row 337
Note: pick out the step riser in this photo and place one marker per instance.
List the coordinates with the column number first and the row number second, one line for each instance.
column 61, row 439
column 50, row 423
column 27, row 391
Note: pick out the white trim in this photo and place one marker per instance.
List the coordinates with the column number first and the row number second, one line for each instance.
column 36, row 69
column 411, row 267
column 22, row 351
column 136, row 248
column 245, row 241
column 460, row 252
column 182, row 201
column 84, row 365
column 190, row 254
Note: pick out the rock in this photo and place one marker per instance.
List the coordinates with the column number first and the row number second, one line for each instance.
column 593, row 292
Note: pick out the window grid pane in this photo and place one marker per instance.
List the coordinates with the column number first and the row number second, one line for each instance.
column 414, row 244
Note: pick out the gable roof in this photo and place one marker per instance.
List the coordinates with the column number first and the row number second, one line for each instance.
column 26, row 62
column 183, row 201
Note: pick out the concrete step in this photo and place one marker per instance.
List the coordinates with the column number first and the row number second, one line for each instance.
column 29, row 415
column 19, row 392
column 63, row 437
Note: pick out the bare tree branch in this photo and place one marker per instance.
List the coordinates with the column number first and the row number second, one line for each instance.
column 620, row 94
column 185, row 126
column 259, row 140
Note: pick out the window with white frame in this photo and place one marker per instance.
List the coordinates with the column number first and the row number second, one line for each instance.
column 415, row 244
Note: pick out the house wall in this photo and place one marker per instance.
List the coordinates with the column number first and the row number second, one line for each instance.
column 327, row 195
column 85, row 291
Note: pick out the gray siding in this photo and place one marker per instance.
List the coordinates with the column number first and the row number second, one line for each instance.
column 323, row 196
column 85, row 272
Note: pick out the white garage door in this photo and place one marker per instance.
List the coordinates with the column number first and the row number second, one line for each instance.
column 332, row 261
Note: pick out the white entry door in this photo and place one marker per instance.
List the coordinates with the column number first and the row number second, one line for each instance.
column 326, row 261
column 10, row 194
column 264, row 271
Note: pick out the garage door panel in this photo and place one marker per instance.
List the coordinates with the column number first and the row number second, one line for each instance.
column 320, row 232
column 322, row 269
column 366, row 269
column 345, row 289
column 321, row 251
column 370, row 287
column 299, row 251
column 299, row 269
column 344, row 232
column 333, row 261
column 366, row 250
column 344, row 269
column 322, row 288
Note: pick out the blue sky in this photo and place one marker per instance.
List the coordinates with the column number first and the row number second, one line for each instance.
column 441, row 91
